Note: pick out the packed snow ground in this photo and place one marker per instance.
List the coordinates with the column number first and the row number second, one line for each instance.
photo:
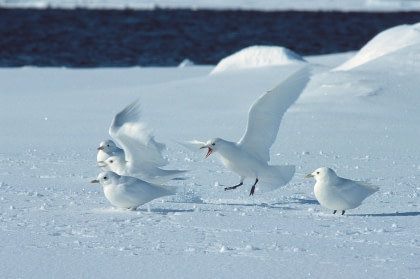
column 361, row 121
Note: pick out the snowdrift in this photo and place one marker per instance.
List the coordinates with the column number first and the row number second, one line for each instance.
column 386, row 42
column 257, row 56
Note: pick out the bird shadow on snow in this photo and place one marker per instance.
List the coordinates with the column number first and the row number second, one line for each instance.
column 252, row 203
column 305, row 201
column 163, row 211
column 276, row 205
column 394, row 214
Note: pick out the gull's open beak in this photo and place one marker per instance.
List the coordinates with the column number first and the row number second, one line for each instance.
column 208, row 152
column 101, row 164
column 94, row 181
column 309, row 175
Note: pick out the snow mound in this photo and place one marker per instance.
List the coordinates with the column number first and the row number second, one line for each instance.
column 384, row 43
column 186, row 63
column 257, row 56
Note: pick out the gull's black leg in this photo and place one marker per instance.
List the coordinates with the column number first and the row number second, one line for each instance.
column 335, row 211
column 342, row 212
column 253, row 188
column 234, row 187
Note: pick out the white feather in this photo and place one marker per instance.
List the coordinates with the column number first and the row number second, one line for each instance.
column 337, row 193
column 130, row 192
column 142, row 154
column 266, row 113
column 249, row 157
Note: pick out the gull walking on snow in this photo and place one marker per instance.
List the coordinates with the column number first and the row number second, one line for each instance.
column 339, row 193
column 249, row 156
column 130, row 192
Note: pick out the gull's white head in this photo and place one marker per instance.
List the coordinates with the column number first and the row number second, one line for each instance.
column 212, row 146
column 106, row 178
column 107, row 146
column 322, row 174
column 113, row 162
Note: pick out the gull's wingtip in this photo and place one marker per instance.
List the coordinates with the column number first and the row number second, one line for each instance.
column 295, row 82
column 369, row 186
column 130, row 113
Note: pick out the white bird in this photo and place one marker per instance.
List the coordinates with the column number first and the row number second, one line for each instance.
column 142, row 154
column 130, row 192
column 147, row 171
column 339, row 193
column 106, row 149
column 249, row 157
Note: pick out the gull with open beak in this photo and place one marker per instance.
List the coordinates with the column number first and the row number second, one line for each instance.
column 249, row 156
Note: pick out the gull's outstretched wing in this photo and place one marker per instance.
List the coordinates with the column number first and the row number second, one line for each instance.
column 139, row 145
column 266, row 113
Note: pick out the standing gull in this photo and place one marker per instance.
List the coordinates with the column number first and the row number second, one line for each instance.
column 339, row 193
column 249, row 157
column 142, row 155
column 130, row 192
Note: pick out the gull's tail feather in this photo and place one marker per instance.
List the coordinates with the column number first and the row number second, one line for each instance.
column 161, row 176
column 369, row 187
column 274, row 177
column 165, row 190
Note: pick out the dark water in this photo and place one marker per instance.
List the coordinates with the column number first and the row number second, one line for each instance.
column 103, row 38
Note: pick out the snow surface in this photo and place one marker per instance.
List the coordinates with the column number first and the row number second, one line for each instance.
column 302, row 5
column 362, row 122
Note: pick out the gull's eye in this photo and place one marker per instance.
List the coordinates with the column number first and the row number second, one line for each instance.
column 105, row 177
column 213, row 144
column 111, row 161
column 317, row 172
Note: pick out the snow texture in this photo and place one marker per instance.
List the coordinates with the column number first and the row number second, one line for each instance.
column 362, row 122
